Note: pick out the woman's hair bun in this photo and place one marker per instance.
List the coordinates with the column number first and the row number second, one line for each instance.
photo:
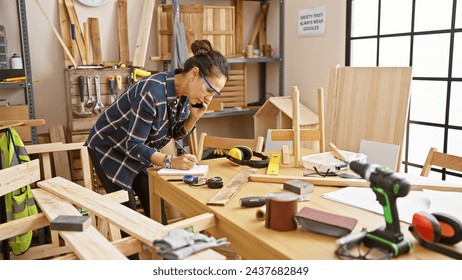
column 201, row 46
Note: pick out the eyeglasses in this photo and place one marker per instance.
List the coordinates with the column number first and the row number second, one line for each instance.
column 352, row 247
column 217, row 93
column 358, row 252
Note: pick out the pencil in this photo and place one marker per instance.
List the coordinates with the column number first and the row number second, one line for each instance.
column 183, row 150
column 337, row 153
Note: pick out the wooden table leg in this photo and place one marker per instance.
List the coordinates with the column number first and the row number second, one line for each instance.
column 154, row 200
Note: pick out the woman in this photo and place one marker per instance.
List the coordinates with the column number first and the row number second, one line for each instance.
column 127, row 137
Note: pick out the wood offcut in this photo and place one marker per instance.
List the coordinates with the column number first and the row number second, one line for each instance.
column 232, row 187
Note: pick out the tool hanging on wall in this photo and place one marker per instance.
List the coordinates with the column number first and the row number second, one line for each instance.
column 137, row 74
column 111, row 81
column 119, row 85
column 83, row 113
column 90, row 100
column 99, row 104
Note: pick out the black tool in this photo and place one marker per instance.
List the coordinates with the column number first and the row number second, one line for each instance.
column 81, row 81
column 387, row 188
column 215, row 183
column 252, row 201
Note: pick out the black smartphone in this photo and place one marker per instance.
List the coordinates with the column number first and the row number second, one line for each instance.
column 198, row 105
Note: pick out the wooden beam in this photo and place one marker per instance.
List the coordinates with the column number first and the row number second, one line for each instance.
column 142, row 41
column 296, row 125
column 86, row 37
column 124, row 53
column 93, row 24
column 418, row 184
column 53, row 147
column 239, row 14
column 60, row 159
column 88, row 244
column 18, row 227
column 64, row 24
column 258, row 22
column 137, row 225
column 18, row 176
column 78, row 31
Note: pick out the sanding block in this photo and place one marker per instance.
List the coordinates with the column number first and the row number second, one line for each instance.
column 325, row 222
column 70, row 223
column 298, row 186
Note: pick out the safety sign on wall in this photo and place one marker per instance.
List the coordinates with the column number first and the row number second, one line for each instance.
column 312, row 22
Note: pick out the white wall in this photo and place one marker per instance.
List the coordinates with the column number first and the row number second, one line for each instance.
column 307, row 60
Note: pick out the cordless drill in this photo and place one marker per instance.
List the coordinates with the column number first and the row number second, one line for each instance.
column 387, row 188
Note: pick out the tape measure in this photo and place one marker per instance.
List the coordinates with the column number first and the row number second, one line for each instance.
column 273, row 165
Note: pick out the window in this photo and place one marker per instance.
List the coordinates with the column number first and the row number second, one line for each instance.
column 426, row 35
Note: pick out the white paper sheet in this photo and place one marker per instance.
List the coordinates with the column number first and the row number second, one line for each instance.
column 199, row 170
column 365, row 198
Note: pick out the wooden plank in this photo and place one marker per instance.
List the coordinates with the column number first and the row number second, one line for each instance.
column 78, row 32
column 231, row 188
column 53, row 147
column 285, row 134
column 296, row 125
column 86, row 37
column 135, row 224
column 18, row 176
column 88, row 244
column 45, row 252
column 17, row 113
column 142, row 41
column 86, row 169
column 367, row 103
column 60, row 159
column 18, row 227
column 93, row 23
column 122, row 20
column 130, row 245
column 258, row 22
column 262, row 36
column 64, row 24
column 239, row 26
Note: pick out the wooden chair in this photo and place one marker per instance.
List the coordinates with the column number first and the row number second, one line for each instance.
column 227, row 143
column 435, row 158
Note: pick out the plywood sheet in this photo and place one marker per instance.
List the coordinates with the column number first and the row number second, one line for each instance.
column 368, row 103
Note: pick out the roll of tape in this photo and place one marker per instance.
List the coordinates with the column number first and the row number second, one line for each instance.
column 281, row 208
column 261, row 213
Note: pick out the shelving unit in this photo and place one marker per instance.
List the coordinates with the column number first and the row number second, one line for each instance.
column 26, row 71
column 262, row 61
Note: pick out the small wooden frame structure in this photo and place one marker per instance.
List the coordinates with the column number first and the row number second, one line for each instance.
column 297, row 132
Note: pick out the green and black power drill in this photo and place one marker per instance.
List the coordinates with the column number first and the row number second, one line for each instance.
column 387, row 187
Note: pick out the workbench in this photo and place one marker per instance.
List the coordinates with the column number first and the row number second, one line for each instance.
column 248, row 236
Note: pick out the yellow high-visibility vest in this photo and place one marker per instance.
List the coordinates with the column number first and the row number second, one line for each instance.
column 19, row 203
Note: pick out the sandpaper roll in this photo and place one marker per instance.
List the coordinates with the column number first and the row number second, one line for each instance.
column 281, row 208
